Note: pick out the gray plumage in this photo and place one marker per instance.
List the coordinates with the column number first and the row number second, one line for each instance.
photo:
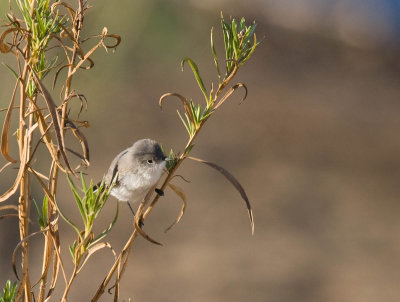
column 136, row 169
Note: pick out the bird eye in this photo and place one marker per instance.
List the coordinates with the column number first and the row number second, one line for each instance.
column 149, row 161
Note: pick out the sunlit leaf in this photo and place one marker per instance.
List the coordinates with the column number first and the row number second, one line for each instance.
column 196, row 73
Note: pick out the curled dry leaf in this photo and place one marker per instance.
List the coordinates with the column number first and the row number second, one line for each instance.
column 82, row 139
column 21, row 172
column 184, row 101
column 180, row 193
column 58, row 72
column 5, row 166
column 57, row 263
column 117, row 42
column 229, row 93
column 44, row 130
column 6, row 128
column 4, row 48
column 139, row 216
column 234, row 182
column 95, row 249
column 14, row 254
column 66, row 5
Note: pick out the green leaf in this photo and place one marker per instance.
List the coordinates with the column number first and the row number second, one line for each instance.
column 189, row 149
column 248, row 55
column 196, row 74
column 45, row 207
column 242, row 24
column 12, row 70
column 249, row 33
column 37, row 209
column 78, row 199
column 84, row 188
column 183, row 121
column 42, row 215
column 235, row 43
column 9, row 292
column 107, row 230
column 215, row 58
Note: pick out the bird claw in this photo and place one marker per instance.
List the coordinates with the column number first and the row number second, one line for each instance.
column 141, row 223
column 159, row 192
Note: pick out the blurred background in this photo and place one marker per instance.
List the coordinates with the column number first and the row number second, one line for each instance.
column 315, row 145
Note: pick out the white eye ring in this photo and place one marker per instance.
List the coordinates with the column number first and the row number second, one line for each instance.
column 150, row 161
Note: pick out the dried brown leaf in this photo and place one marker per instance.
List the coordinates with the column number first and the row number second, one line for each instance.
column 229, row 93
column 184, row 101
column 139, row 216
column 117, row 42
column 44, row 187
column 44, row 130
column 57, row 127
column 180, row 193
column 9, row 207
column 57, row 263
column 66, row 5
column 14, row 254
column 3, row 46
column 5, row 166
column 95, row 249
column 14, row 187
column 58, row 72
column 6, row 129
column 82, row 139
column 234, row 182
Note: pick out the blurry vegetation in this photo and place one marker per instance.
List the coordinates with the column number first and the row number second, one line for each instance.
column 34, row 28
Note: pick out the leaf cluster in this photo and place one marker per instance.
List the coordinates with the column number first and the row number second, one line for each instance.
column 36, row 27
column 43, row 25
column 9, row 292
column 240, row 42
column 90, row 202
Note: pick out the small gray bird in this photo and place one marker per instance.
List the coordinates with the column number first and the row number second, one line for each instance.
column 136, row 169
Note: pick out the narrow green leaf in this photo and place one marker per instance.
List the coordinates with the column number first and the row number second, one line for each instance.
column 196, row 74
column 242, row 24
column 84, row 188
column 107, row 230
column 251, row 51
column 45, row 207
column 189, row 149
column 226, row 33
column 249, row 33
column 40, row 216
column 190, row 124
column 73, row 225
column 12, row 70
column 78, row 200
column 215, row 58
column 235, row 37
column 183, row 121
